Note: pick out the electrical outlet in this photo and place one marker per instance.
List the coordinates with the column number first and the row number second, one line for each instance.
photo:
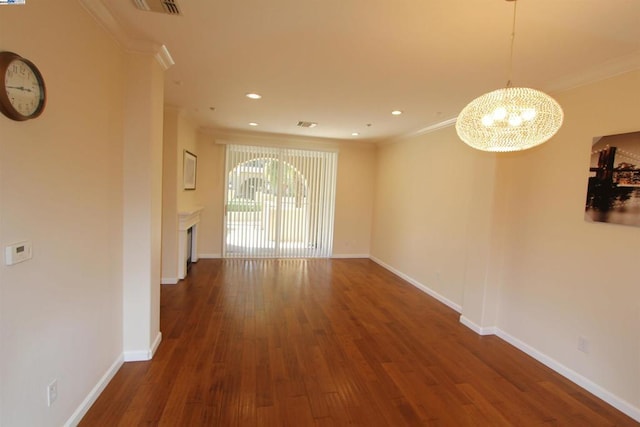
column 52, row 392
column 583, row 344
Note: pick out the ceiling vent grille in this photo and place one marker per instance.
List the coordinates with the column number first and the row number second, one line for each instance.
column 169, row 7
column 307, row 124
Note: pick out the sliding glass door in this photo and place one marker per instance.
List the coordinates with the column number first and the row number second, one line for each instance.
column 279, row 202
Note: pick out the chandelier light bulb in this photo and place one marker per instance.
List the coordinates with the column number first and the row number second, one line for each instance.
column 487, row 120
column 515, row 120
column 528, row 114
column 499, row 113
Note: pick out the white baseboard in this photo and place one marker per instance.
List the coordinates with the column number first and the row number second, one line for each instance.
column 143, row 355
column 350, row 256
column 480, row 330
column 593, row 388
column 618, row 403
column 210, row 256
column 95, row 392
column 169, row 280
column 419, row 285
column 137, row 356
column 155, row 344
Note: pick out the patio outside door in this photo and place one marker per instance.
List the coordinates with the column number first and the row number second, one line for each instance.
column 279, row 202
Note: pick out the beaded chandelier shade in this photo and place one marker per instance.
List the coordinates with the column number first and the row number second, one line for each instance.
column 509, row 119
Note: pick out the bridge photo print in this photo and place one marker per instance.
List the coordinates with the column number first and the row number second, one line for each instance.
column 613, row 191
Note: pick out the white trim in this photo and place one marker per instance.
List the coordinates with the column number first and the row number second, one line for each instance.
column 431, row 128
column 143, row 355
column 164, row 58
column 420, row 286
column 169, row 280
column 137, row 356
column 187, row 219
column 608, row 69
column 106, row 19
column 352, row 256
column 156, row 344
column 95, row 392
column 480, row 330
column 210, row 256
column 615, row 401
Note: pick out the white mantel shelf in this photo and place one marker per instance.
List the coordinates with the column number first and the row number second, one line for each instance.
column 187, row 219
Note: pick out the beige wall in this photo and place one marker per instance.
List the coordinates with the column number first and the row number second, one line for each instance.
column 211, row 196
column 503, row 240
column 564, row 277
column 142, row 210
column 426, row 208
column 354, row 200
column 170, row 196
column 187, row 140
column 61, row 187
column 179, row 134
column 500, row 238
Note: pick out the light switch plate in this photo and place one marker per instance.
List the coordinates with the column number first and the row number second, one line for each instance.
column 17, row 252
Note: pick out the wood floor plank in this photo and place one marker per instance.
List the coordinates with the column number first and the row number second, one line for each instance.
column 330, row 343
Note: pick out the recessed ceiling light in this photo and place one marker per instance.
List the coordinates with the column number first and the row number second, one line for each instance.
column 304, row 124
column 253, row 95
column 253, row 124
column 212, row 108
column 355, row 134
column 396, row 112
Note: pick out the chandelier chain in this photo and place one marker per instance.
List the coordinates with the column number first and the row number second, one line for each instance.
column 513, row 38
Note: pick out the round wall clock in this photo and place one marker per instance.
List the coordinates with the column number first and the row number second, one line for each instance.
column 22, row 91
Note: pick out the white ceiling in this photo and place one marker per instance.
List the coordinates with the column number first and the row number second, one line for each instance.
column 346, row 64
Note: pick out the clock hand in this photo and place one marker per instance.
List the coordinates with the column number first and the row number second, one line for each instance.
column 22, row 88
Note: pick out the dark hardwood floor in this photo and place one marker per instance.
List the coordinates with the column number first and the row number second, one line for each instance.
column 330, row 343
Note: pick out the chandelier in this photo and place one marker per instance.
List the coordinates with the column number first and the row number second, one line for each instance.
column 509, row 119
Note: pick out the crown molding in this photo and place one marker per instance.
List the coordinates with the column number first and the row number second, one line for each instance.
column 163, row 56
column 610, row 68
column 434, row 127
column 105, row 18
column 431, row 128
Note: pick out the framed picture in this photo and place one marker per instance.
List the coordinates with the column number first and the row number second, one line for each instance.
column 613, row 191
column 190, row 162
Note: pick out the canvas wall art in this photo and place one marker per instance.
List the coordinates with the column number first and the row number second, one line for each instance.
column 613, row 191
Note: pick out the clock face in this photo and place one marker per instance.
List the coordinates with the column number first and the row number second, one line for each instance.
column 22, row 90
column 23, row 87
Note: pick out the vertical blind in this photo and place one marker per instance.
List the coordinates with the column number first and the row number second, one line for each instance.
column 279, row 202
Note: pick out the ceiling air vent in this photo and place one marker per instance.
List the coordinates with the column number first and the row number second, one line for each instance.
column 170, row 7
column 307, row 124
